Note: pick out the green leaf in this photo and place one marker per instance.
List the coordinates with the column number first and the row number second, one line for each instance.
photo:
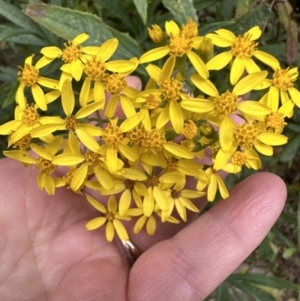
column 260, row 14
column 298, row 225
column 127, row 42
column 10, row 98
column 201, row 4
column 211, row 27
column 289, row 252
column 264, row 280
column 182, row 10
column 294, row 127
column 222, row 293
column 19, row 36
column 142, row 7
column 15, row 15
column 290, row 150
column 67, row 24
column 256, row 293
column 8, row 74
column 117, row 8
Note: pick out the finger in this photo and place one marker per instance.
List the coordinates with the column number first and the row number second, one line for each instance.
column 194, row 262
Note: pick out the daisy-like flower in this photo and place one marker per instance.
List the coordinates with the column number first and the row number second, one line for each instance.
column 116, row 85
column 46, row 161
column 111, row 218
column 242, row 50
column 84, row 131
column 222, row 107
column 149, row 222
column 179, row 198
column 114, row 140
column 214, row 182
column 154, row 147
column 170, row 89
column 95, row 71
column 92, row 163
column 73, row 55
column 181, row 43
column 247, row 136
column 25, row 120
column 248, row 158
column 29, row 76
column 282, row 88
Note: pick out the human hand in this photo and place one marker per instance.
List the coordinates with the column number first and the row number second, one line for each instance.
column 47, row 254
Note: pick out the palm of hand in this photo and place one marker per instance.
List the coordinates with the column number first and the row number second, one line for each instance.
column 47, row 254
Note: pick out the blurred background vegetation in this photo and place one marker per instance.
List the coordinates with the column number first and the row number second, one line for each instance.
column 272, row 272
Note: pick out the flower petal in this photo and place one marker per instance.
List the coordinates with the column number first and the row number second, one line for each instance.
column 219, row 61
column 198, row 64
column 154, row 54
column 96, row 223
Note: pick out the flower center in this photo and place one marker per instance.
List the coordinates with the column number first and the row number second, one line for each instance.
column 24, row 142
column 275, row 121
column 180, row 45
column 153, row 101
column 112, row 135
column 239, row 158
column 95, row 69
column 153, row 180
column 110, row 216
column 190, row 30
column 226, row 103
column 154, row 141
column 129, row 184
column 170, row 89
column 71, row 52
column 190, row 129
column 188, row 144
column 137, row 135
column 282, row 79
column 243, row 47
column 30, row 116
column 68, row 177
column 175, row 194
column 28, row 75
column 115, row 83
column 246, row 135
column 45, row 165
column 171, row 165
column 71, row 123
column 92, row 159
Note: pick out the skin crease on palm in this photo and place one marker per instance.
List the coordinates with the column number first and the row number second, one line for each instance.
column 47, row 254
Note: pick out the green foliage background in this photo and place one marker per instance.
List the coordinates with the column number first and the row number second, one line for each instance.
column 272, row 271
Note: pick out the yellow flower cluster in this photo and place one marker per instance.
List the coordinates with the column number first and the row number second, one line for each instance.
column 139, row 148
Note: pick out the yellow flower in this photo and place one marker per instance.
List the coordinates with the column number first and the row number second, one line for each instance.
column 29, row 77
column 156, row 34
column 144, row 220
column 170, row 92
column 247, row 136
column 47, row 161
column 282, row 87
column 85, row 131
column 214, row 182
column 179, row 198
column 92, row 163
column 73, row 55
column 243, row 48
column 25, row 120
column 95, row 71
column 181, row 43
column 114, row 141
column 222, row 107
column 111, row 218
column 249, row 158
